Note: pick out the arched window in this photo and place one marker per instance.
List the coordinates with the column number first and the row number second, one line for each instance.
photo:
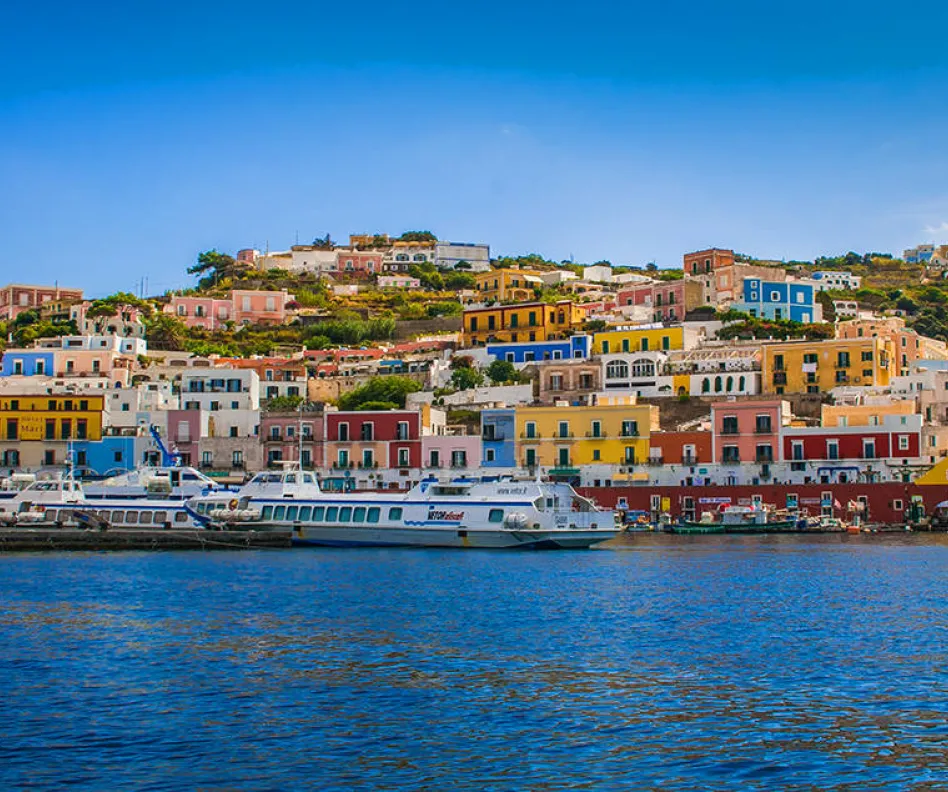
column 643, row 367
column 420, row 257
column 717, row 384
column 617, row 369
column 740, row 383
column 706, row 385
column 729, row 385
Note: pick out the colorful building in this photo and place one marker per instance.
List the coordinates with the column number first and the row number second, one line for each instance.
column 507, row 285
column 896, row 437
column 844, row 415
column 16, row 298
column 668, row 301
column 515, row 323
column 820, row 366
column 576, row 347
column 287, row 435
column 498, row 438
column 680, row 448
column 793, row 300
column 748, row 431
column 643, row 338
column 705, row 261
column 566, row 438
column 35, row 429
column 375, row 439
column 908, row 345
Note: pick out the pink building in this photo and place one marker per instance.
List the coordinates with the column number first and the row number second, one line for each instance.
column 201, row 312
column 358, row 263
column 260, row 307
column 450, row 452
column 242, row 307
column 748, row 431
column 280, row 433
column 668, row 300
column 18, row 298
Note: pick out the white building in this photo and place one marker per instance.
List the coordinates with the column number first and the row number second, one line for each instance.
column 823, row 280
column 214, row 389
column 120, row 345
column 447, row 255
column 600, row 273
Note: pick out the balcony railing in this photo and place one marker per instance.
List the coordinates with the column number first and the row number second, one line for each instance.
column 762, row 429
column 731, row 461
column 729, row 430
column 688, row 459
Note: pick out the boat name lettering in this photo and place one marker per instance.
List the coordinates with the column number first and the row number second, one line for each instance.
column 512, row 490
column 438, row 514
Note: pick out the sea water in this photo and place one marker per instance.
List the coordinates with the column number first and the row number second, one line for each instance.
column 778, row 662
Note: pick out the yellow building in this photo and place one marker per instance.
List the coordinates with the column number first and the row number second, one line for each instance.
column 518, row 323
column 864, row 414
column 30, row 418
column 570, row 437
column 643, row 339
column 820, row 366
column 507, row 285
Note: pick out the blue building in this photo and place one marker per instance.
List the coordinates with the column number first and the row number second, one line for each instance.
column 28, row 363
column 497, row 438
column 108, row 455
column 791, row 300
column 577, row 347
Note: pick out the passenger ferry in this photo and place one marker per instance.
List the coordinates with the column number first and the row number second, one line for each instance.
column 62, row 503
column 463, row 512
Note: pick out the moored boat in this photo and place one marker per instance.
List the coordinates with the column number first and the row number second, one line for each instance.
column 756, row 518
column 462, row 512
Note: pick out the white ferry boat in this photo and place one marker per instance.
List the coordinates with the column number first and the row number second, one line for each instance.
column 171, row 482
column 463, row 512
column 62, row 503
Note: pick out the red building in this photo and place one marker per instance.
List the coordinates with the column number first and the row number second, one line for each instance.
column 748, row 431
column 898, row 437
column 374, row 439
column 680, row 448
column 704, row 261
column 18, row 298
column 360, row 264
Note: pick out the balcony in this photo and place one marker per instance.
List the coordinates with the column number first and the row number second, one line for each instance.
column 731, row 461
column 764, row 459
column 763, row 429
column 629, row 433
column 530, row 436
column 656, row 460
column 688, row 459
column 596, row 435
column 563, row 436
column 729, row 430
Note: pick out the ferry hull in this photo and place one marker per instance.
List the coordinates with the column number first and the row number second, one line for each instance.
column 355, row 536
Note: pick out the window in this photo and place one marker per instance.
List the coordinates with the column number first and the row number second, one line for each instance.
column 563, row 429
column 319, row 513
column 903, row 443
column 343, row 432
column 778, row 363
column 530, row 429
column 762, row 425
column 731, row 454
column 630, row 428
column 373, row 514
column 556, row 382
column 345, row 514
column 596, row 428
column 403, row 457
column 395, row 513
column 605, row 347
column 489, row 455
column 869, row 449
column 842, row 360
column 765, row 453
column 867, row 357
column 367, row 431
column 401, row 432
column 729, row 424
column 797, row 452
column 617, row 369
column 495, row 516
column 832, row 449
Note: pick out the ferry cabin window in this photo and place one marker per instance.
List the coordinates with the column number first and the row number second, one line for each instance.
column 395, row 513
column 291, row 512
column 279, row 513
column 160, row 517
column 305, row 512
column 345, row 514
column 118, row 516
column 291, row 478
column 374, row 513
column 358, row 514
column 180, row 517
column 308, row 478
column 267, row 512
column 145, row 518
column 318, row 513
column 495, row 516
column 132, row 518
column 331, row 513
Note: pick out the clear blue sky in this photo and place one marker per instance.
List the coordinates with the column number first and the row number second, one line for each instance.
column 134, row 135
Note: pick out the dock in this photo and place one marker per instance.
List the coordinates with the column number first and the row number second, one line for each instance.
column 39, row 539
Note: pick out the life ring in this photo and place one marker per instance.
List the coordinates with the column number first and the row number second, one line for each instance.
column 233, row 504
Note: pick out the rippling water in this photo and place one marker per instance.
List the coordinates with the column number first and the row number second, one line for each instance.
column 701, row 663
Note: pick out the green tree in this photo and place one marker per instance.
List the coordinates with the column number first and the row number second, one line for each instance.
column 216, row 266
column 501, row 371
column 466, row 378
column 418, row 236
column 164, row 331
column 455, row 281
column 392, row 389
column 283, row 403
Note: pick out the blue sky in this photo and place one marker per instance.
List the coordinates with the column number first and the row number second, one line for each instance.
column 134, row 136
